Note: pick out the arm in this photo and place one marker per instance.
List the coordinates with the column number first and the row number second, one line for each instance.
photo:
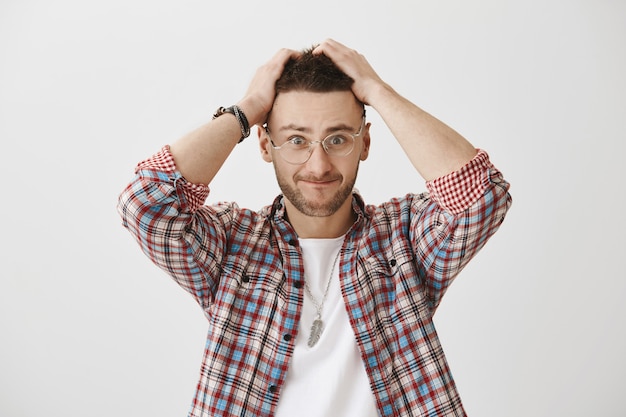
column 433, row 148
column 162, row 206
column 465, row 208
column 469, row 195
column 200, row 154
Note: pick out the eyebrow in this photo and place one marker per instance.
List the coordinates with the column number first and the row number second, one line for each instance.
column 330, row 129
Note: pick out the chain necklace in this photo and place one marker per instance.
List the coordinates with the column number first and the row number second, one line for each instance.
column 318, row 325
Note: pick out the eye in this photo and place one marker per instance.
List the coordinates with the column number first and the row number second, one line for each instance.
column 298, row 142
column 336, row 140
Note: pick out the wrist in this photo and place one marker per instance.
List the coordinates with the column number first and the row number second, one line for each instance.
column 379, row 93
column 240, row 116
column 254, row 111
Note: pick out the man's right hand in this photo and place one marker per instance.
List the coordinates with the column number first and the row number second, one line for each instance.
column 259, row 98
column 200, row 154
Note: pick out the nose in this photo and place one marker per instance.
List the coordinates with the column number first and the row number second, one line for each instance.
column 318, row 161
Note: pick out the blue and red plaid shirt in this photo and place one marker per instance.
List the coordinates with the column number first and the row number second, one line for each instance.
column 245, row 269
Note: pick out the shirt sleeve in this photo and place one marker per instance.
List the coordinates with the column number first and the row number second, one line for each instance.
column 166, row 215
column 465, row 208
column 458, row 190
column 192, row 195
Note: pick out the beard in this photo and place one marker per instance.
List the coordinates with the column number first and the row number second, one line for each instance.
column 311, row 208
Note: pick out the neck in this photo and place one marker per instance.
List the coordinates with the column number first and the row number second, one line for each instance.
column 327, row 227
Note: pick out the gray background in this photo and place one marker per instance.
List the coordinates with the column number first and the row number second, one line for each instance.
column 533, row 327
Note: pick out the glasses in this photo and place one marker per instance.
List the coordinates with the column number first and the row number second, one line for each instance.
column 297, row 150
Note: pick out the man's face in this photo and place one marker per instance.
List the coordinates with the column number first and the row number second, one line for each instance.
column 322, row 185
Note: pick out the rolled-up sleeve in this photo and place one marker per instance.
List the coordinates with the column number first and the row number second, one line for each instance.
column 466, row 208
column 162, row 212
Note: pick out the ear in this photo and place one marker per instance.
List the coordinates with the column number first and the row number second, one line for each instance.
column 264, row 144
column 365, row 149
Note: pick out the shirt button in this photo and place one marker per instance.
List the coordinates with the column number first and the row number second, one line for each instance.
column 287, row 337
column 273, row 389
column 245, row 278
column 292, row 242
column 392, row 262
column 297, row 284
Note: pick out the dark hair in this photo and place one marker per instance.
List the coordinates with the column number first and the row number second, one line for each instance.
column 315, row 73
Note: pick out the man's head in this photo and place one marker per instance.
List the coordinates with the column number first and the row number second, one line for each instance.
column 314, row 100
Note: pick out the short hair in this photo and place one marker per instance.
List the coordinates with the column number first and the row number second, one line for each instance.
column 313, row 72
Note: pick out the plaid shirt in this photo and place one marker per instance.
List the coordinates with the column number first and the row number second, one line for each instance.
column 245, row 269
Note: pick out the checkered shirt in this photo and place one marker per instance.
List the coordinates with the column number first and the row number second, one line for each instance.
column 245, row 269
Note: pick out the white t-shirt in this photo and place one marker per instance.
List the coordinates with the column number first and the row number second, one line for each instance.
column 328, row 379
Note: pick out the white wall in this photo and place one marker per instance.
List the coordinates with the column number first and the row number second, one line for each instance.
column 533, row 327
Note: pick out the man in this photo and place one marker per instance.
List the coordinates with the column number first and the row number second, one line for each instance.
column 318, row 304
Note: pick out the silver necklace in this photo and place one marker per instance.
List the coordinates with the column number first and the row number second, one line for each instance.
column 318, row 325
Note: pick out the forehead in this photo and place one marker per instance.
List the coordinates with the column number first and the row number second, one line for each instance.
column 305, row 108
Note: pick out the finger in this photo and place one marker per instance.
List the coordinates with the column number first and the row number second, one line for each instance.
column 282, row 56
column 285, row 54
column 336, row 51
column 276, row 64
column 326, row 47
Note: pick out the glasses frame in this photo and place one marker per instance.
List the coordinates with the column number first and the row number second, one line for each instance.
column 322, row 142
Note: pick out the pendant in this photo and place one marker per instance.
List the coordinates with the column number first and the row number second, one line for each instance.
column 316, row 332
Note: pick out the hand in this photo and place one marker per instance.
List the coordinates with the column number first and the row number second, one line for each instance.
column 354, row 64
column 259, row 97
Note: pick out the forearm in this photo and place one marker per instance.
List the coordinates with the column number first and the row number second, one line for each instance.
column 434, row 148
column 201, row 153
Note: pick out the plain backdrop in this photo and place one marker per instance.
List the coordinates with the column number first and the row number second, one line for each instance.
column 534, row 326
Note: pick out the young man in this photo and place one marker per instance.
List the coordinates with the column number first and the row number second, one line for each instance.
column 318, row 304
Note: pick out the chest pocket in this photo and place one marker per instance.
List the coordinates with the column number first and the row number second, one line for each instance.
column 380, row 273
column 250, row 293
column 391, row 285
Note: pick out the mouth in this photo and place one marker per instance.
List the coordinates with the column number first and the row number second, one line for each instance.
column 318, row 182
